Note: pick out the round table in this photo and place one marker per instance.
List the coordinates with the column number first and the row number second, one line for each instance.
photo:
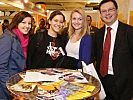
column 32, row 95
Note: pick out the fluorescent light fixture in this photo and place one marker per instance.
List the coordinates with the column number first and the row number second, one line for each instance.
column 1, row 3
column 26, row 1
column 29, row 12
column 26, row 11
column 93, row 1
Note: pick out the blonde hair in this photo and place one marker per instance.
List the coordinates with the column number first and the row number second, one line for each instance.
column 71, row 30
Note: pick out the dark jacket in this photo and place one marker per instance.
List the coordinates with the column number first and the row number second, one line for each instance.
column 12, row 60
column 37, row 57
column 93, row 29
column 122, row 60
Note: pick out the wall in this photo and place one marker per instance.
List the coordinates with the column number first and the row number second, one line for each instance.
column 94, row 14
column 130, row 18
column 2, row 17
column 123, row 10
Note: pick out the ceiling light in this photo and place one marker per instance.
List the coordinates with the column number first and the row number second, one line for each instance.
column 39, row 6
column 25, row 1
column 47, row 11
column 93, row 1
column 2, row 3
column 29, row 12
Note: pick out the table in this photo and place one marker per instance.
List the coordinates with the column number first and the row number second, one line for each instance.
column 92, row 81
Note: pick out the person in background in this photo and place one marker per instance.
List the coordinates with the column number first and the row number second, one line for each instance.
column 33, row 28
column 47, row 25
column 114, row 53
column 33, row 25
column 13, row 50
column 44, row 46
column 5, row 24
column 41, row 27
column 92, row 29
column 79, row 43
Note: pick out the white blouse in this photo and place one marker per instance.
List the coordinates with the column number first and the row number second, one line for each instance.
column 72, row 49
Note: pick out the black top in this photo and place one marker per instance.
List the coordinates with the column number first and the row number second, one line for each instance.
column 40, row 48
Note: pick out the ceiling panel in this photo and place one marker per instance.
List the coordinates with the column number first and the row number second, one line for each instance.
column 56, row 1
column 66, row 4
column 32, row 5
column 6, row 7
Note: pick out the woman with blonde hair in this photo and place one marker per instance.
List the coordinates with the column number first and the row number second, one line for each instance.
column 79, row 43
column 82, row 28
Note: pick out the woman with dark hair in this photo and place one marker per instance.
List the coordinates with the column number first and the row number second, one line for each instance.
column 43, row 50
column 13, row 50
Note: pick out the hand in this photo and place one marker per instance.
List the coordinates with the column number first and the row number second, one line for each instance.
column 55, row 54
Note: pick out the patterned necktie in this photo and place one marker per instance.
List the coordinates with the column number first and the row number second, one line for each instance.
column 105, row 55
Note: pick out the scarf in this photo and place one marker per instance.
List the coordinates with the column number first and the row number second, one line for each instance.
column 24, row 39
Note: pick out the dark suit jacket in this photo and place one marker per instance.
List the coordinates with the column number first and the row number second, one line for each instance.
column 122, row 60
column 93, row 29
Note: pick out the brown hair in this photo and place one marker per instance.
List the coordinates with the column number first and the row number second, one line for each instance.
column 18, row 18
column 57, row 12
column 105, row 1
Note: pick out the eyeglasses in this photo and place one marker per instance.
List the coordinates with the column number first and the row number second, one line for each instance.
column 110, row 10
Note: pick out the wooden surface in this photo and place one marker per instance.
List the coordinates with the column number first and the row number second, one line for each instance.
column 27, row 96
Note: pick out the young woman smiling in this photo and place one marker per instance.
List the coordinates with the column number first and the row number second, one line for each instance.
column 13, row 50
column 79, row 43
column 43, row 47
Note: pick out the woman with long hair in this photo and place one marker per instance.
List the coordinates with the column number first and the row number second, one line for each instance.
column 13, row 49
column 79, row 43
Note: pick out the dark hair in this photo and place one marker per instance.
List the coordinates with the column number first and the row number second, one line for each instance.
column 105, row 1
column 6, row 20
column 57, row 12
column 89, row 16
column 42, row 19
column 42, row 23
column 18, row 18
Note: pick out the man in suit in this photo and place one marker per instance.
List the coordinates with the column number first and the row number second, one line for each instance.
column 118, row 81
column 91, row 29
column 5, row 24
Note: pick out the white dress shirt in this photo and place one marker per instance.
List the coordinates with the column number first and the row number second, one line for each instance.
column 114, row 27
